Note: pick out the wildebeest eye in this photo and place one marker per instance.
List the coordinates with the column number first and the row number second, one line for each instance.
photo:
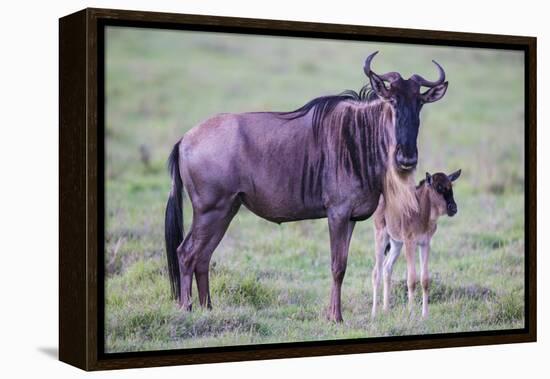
column 439, row 188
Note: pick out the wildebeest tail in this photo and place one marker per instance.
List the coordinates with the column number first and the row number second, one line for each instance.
column 173, row 222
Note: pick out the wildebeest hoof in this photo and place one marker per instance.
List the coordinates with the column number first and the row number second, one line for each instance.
column 186, row 308
column 335, row 317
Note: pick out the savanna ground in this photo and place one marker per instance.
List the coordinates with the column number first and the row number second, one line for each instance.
column 270, row 283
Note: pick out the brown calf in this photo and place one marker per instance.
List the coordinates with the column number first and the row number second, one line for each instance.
column 394, row 229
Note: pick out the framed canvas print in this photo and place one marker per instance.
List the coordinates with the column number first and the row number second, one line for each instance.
column 239, row 189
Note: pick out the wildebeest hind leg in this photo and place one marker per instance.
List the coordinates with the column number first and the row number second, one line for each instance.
column 186, row 275
column 214, row 224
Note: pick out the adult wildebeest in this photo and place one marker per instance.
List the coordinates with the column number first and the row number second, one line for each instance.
column 332, row 158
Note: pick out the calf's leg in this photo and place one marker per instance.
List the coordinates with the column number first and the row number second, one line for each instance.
column 380, row 242
column 395, row 250
column 424, row 276
column 410, row 250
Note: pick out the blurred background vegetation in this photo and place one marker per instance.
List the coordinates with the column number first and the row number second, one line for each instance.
column 270, row 283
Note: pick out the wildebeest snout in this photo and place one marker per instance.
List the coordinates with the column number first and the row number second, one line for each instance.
column 452, row 209
column 406, row 158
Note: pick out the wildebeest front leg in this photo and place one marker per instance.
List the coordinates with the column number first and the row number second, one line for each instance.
column 424, row 276
column 340, row 230
column 410, row 250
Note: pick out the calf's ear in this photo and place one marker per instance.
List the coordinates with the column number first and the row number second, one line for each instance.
column 454, row 176
column 428, row 179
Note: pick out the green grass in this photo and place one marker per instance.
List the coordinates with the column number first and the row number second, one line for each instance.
column 270, row 283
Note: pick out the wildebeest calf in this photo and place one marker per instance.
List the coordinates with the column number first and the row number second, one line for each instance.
column 393, row 228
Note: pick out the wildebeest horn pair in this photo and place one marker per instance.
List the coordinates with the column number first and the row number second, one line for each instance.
column 392, row 76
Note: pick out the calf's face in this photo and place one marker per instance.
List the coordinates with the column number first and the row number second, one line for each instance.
column 442, row 192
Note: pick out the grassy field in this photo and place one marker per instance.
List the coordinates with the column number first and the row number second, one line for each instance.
column 270, row 283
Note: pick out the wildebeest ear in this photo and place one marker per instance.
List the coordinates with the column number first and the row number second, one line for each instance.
column 434, row 93
column 378, row 86
column 454, row 176
column 428, row 179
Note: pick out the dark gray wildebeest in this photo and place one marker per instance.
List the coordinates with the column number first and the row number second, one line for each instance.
column 332, row 157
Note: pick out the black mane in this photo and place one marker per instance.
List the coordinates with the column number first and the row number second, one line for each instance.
column 355, row 139
column 322, row 106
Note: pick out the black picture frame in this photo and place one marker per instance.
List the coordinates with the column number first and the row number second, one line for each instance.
column 81, row 199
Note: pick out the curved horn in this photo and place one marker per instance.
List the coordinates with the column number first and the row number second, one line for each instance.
column 388, row 77
column 366, row 67
column 426, row 83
